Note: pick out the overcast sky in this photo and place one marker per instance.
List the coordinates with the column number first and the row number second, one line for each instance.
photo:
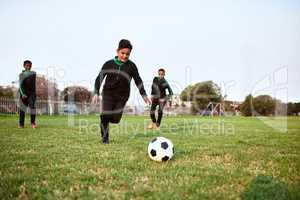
column 244, row 46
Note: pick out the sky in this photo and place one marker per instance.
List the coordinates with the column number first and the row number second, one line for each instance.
column 243, row 46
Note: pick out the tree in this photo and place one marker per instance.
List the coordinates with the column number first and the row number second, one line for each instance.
column 297, row 108
column 291, row 108
column 47, row 92
column 201, row 94
column 46, row 89
column 7, row 92
column 76, row 94
column 264, row 105
column 260, row 105
column 247, row 105
column 186, row 93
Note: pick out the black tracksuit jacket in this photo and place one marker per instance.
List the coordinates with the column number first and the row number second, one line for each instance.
column 159, row 87
column 27, row 81
column 118, row 77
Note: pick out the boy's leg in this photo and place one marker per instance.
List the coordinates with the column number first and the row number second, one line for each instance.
column 117, row 112
column 31, row 102
column 105, row 118
column 160, row 112
column 21, row 118
column 104, row 126
column 152, row 110
column 22, row 107
column 112, row 113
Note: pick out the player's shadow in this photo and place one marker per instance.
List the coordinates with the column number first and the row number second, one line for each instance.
column 266, row 188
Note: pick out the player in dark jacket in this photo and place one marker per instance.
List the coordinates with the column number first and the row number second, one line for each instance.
column 27, row 94
column 118, row 72
column 159, row 98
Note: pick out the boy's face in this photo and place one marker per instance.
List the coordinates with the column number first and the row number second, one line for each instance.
column 161, row 74
column 27, row 66
column 123, row 54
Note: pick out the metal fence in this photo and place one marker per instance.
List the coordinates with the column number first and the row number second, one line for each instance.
column 8, row 106
column 48, row 107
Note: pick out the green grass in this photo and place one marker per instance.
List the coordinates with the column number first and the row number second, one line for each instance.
column 216, row 158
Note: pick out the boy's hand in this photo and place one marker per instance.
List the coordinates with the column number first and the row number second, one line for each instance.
column 147, row 99
column 95, row 99
column 24, row 96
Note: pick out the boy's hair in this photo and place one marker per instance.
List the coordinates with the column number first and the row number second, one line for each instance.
column 125, row 44
column 161, row 70
column 27, row 62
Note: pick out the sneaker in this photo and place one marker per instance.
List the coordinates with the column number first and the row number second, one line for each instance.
column 151, row 125
column 20, row 126
column 105, row 141
column 156, row 127
column 33, row 125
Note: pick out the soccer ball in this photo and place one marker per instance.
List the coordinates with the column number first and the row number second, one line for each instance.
column 160, row 149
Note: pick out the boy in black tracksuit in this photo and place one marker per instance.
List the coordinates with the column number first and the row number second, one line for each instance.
column 118, row 72
column 159, row 98
column 27, row 93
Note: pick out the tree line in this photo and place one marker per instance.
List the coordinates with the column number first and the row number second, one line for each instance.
column 47, row 90
column 199, row 94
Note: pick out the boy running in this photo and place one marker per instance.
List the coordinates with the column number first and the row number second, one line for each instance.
column 118, row 72
column 159, row 98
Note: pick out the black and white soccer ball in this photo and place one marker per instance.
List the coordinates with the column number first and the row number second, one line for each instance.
column 160, row 149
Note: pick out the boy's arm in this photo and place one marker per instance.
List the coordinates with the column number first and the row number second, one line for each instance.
column 154, row 86
column 169, row 97
column 138, row 81
column 170, row 90
column 21, row 88
column 99, row 80
column 34, row 82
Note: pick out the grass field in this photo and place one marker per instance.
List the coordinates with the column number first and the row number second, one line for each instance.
column 216, row 158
